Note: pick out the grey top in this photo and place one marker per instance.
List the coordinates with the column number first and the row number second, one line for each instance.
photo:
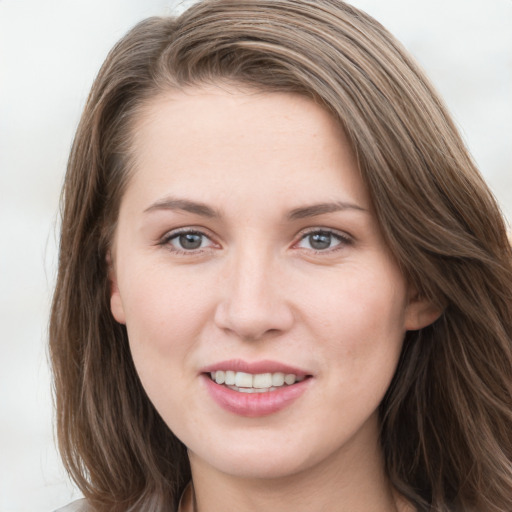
column 75, row 506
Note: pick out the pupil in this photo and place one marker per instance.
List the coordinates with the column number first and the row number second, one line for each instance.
column 190, row 241
column 320, row 240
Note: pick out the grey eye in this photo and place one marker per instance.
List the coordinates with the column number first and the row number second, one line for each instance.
column 190, row 241
column 320, row 241
column 187, row 241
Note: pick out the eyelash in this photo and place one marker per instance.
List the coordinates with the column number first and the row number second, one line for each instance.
column 174, row 235
column 343, row 240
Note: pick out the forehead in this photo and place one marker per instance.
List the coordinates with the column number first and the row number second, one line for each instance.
column 233, row 110
column 219, row 136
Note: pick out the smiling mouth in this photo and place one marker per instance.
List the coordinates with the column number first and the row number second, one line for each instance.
column 255, row 383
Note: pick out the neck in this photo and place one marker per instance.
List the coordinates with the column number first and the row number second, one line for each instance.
column 346, row 481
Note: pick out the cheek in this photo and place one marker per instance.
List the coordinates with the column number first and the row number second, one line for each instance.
column 162, row 305
column 164, row 318
column 163, row 332
column 361, row 305
column 360, row 326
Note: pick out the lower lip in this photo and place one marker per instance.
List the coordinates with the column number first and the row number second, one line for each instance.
column 255, row 404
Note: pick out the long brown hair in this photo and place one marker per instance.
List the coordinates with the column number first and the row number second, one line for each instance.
column 447, row 417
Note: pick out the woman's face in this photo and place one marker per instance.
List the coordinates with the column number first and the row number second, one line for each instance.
column 247, row 246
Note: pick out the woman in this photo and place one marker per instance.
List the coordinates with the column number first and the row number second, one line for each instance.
column 282, row 282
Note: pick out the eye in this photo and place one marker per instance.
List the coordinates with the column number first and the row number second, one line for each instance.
column 187, row 241
column 322, row 240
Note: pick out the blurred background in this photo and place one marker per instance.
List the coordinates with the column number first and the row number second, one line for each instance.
column 50, row 52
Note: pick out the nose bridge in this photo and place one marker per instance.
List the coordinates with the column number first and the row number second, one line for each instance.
column 253, row 302
column 252, row 265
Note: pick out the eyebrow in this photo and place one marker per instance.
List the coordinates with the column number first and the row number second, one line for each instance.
column 204, row 210
column 321, row 209
column 185, row 205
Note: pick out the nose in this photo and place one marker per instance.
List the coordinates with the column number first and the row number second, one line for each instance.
column 253, row 303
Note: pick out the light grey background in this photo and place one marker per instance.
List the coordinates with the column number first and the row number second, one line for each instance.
column 49, row 53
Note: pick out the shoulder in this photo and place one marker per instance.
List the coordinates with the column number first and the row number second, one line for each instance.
column 75, row 506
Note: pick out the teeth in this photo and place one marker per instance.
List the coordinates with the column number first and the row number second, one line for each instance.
column 262, row 380
column 277, row 379
column 230, row 378
column 289, row 379
column 251, row 390
column 258, row 383
column 243, row 380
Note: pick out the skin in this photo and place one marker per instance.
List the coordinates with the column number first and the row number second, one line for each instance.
column 257, row 289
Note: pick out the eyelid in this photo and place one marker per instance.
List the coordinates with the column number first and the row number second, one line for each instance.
column 173, row 233
column 344, row 238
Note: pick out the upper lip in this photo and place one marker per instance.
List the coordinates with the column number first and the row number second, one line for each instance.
column 254, row 367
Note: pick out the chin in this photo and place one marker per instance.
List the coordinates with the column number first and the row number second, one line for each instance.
column 260, row 469
column 257, row 461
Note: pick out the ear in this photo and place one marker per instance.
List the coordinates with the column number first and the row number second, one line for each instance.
column 420, row 312
column 116, row 304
